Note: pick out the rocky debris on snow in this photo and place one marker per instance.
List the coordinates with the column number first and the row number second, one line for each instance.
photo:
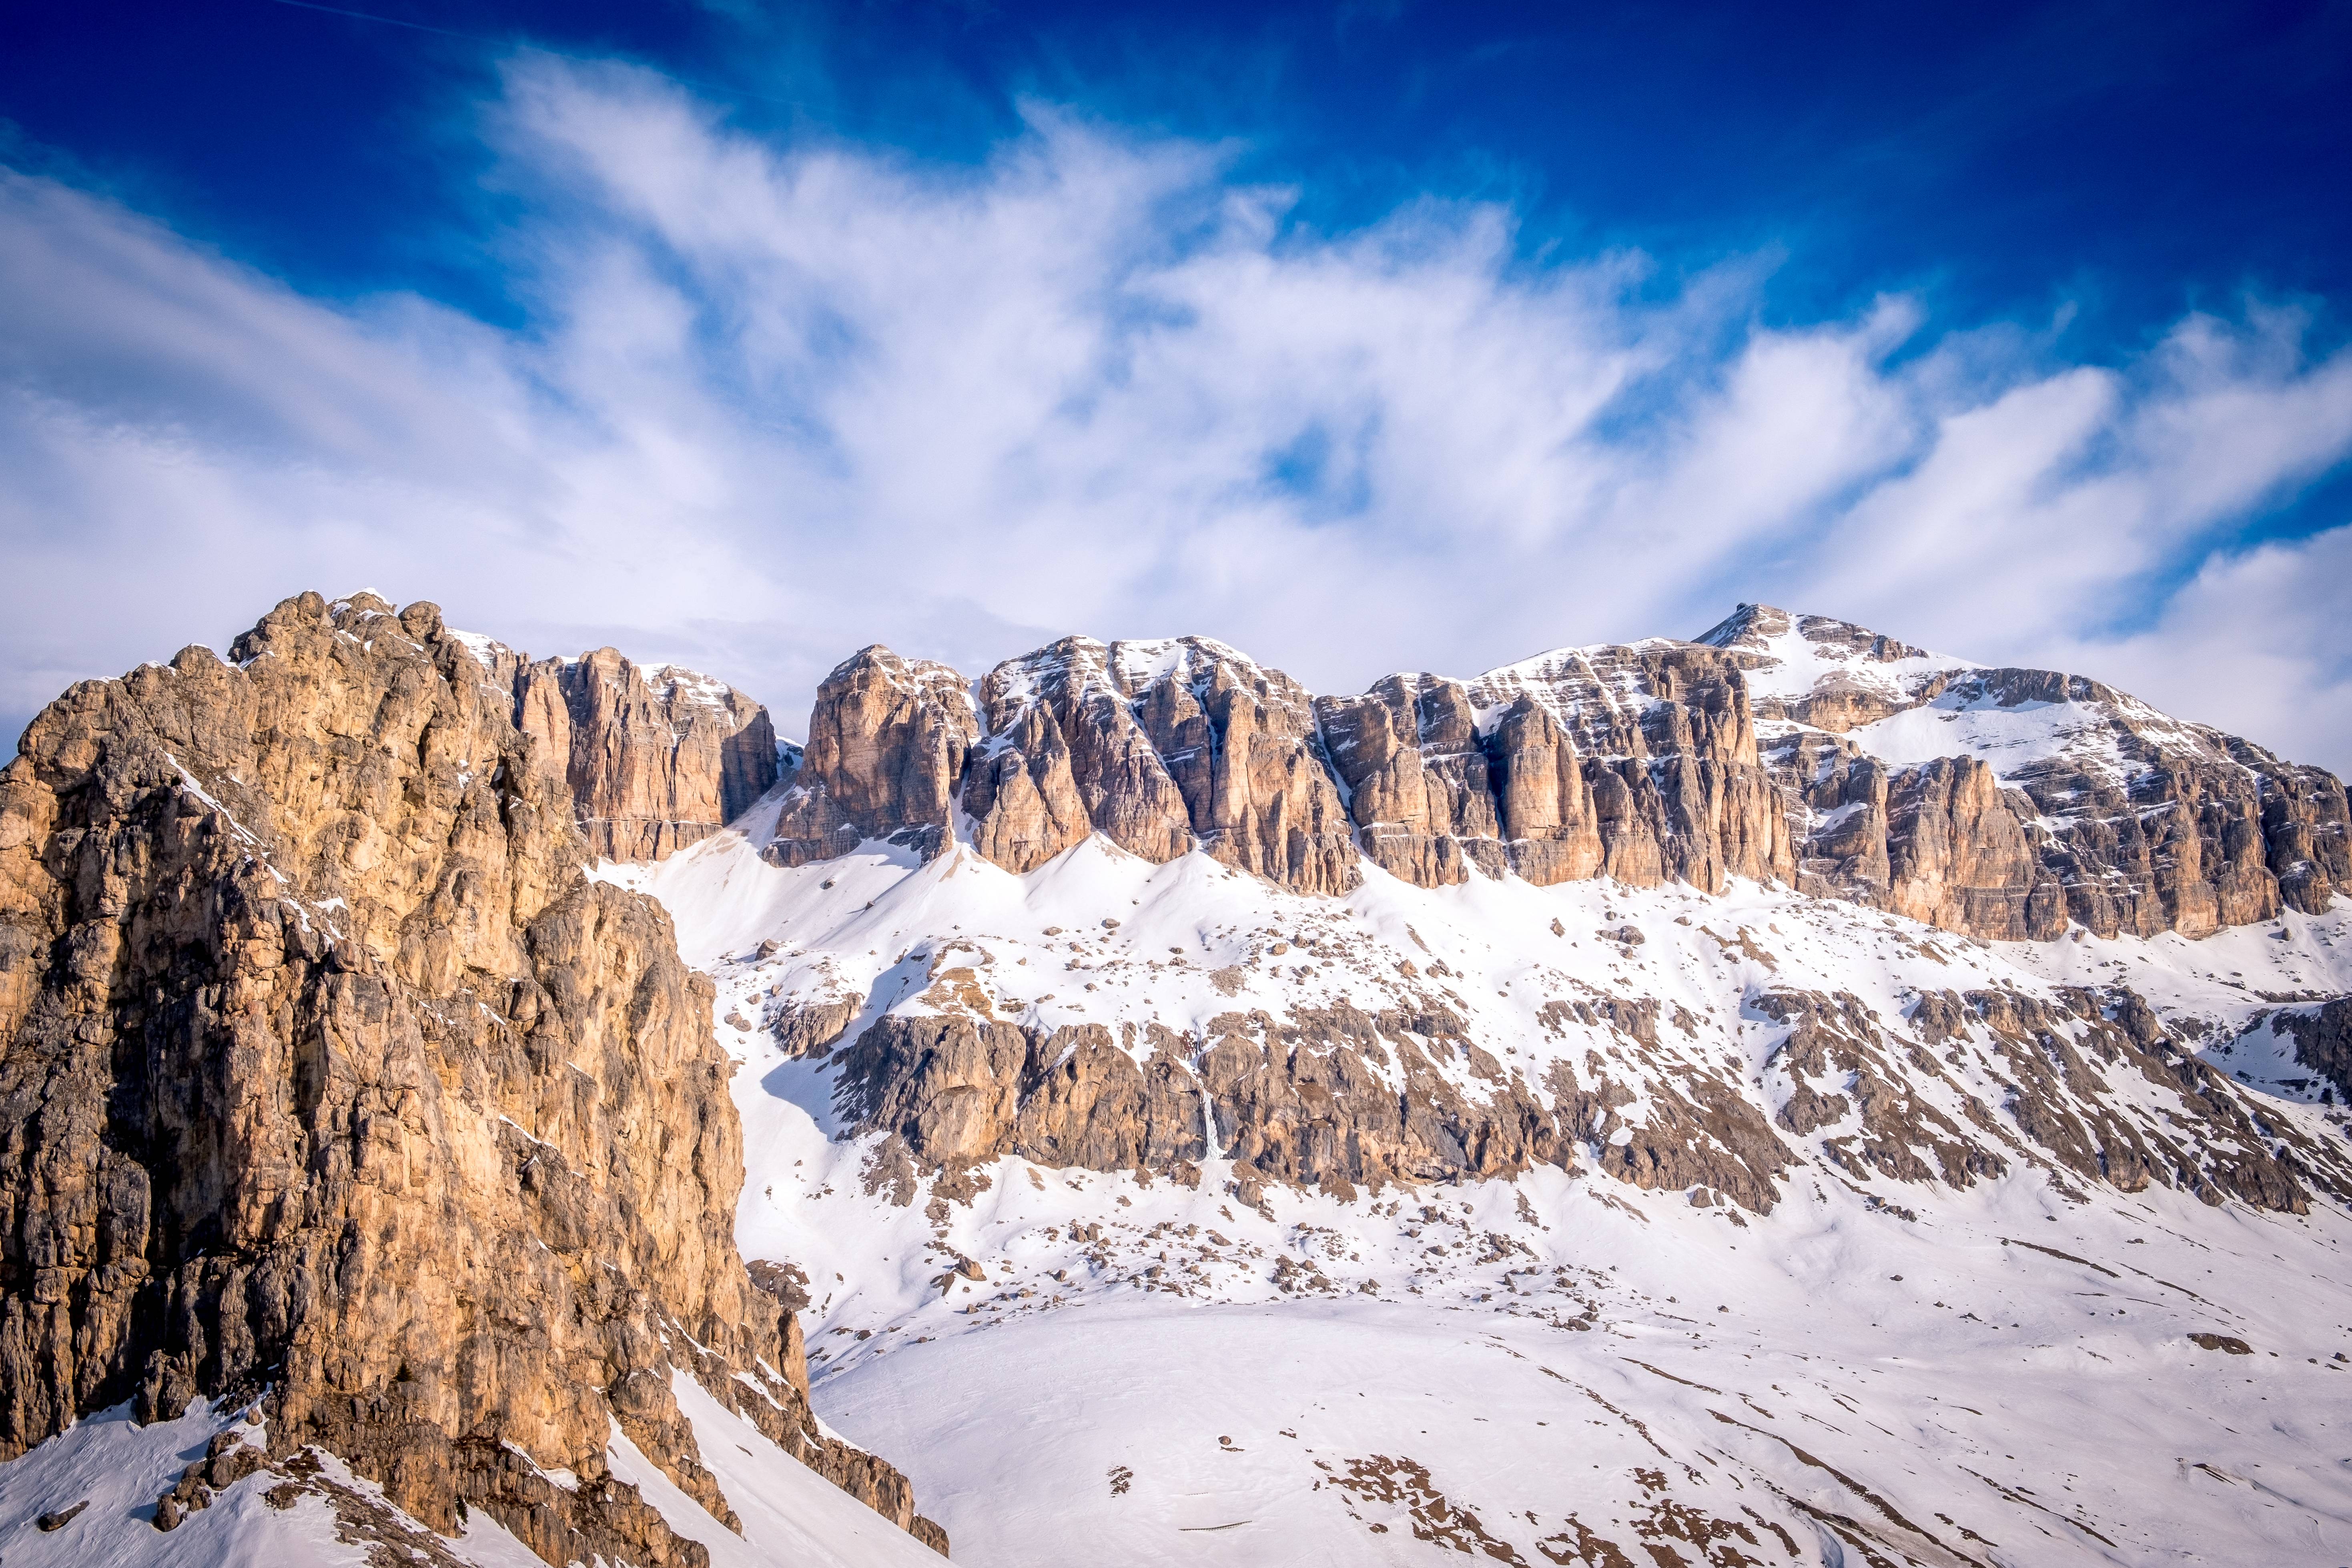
column 58, row 1519
column 1958, row 1087
column 325, row 1069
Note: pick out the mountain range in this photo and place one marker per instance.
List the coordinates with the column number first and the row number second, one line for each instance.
column 1779, row 1097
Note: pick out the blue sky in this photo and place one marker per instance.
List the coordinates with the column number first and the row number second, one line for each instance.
column 1363, row 336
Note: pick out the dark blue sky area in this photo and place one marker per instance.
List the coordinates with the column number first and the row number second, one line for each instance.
column 2134, row 161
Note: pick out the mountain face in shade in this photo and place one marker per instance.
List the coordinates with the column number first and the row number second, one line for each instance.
column 655, row 757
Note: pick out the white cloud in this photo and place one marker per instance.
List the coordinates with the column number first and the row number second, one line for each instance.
column 773, row 403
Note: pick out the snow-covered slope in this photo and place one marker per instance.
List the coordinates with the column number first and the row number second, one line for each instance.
column 1997, row 1350
column 107, row 1471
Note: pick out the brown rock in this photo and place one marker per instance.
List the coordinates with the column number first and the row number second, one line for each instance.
column 1123, row 783
column 2137, row 824
column 1639, row 762
column 1168, row 746
column 324, row 1068
column 1019, row 793
column 655, row 757
column 1410, row 753
column 1239, row 740
column 887, row 744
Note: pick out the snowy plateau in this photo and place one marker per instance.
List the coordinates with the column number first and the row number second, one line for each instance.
column 1989, row 1290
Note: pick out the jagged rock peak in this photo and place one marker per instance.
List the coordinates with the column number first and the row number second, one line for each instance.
column 887, row 745
column 1800, row 749
column 1162, row 745
column 1633, row 761
column 656, row 756
column 2007, row 802
column 1762, row 627
column 325, row 1071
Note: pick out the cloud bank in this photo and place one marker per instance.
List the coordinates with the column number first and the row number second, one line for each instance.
column 770, row 402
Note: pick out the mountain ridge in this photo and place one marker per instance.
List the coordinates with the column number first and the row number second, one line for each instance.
column 2003, row 803
column 1138, row 1059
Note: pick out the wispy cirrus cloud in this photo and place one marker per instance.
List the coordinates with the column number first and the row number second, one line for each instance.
column 772, row 401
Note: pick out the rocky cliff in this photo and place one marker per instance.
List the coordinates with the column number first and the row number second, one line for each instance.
column 1636, row 762
column 2086, row 1087
column 2000, row 803
column 327, row 1075
column 887, row 746
column 655, row 757
column 2006, row 803
column 1161, row 747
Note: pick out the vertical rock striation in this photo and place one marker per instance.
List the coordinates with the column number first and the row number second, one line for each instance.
column 887, row 745
column 1637, row 762
column 2006, row 803
column 2000, row 803
column 1162, row 747
column 325, row 1071
column 655, row 757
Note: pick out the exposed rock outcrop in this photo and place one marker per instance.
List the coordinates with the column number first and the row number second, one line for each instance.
column 655, row 757
column 1332, row 1098
column 2006, row 803
column 325, row 1069
column 2322, row 1041
column 1637, row 762
column 2084, row 1087
column 2002, row 803
column 1162, row 747
column 887, row 745
column 1420, row 788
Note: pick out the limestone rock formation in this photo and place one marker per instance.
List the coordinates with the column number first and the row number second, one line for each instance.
column 2322, row 1041
column 2006, row 802
column 1420, row 787
column 655, row 757
column 1968, row 1086
column 1798, row 749
column 887, row 746
column 1668, row 746
column 1159, row 746
column 1335, row 1099
column 1637, row 762
column 324, row 1069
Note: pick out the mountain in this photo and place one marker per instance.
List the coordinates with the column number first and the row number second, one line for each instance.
column 655, row 757
column 1781, row 1097
column 365, row 1161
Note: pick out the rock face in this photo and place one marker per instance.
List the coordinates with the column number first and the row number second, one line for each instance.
column 1967, row 1086
column 2322, row 1041
column 1164, row 747
column 1637, row 762
column 2006, row 803
column 2000, row 803
column 655, row 757
column 323, row 1069
column 1159, row 746
column 887, row 745
column 1421, row 789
